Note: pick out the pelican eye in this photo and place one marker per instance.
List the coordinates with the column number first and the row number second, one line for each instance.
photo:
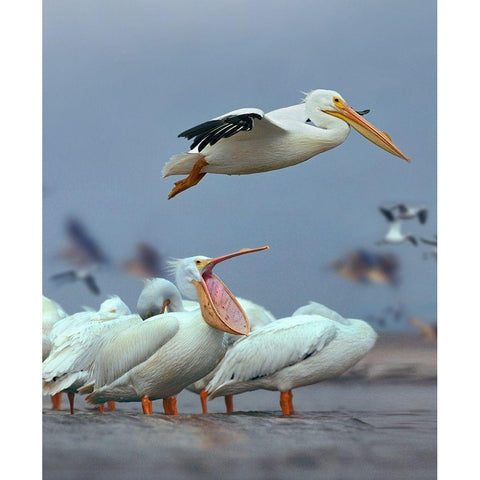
column 198, row 262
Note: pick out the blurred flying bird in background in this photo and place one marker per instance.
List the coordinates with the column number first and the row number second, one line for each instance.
column 84, row 275
column 82, row 249
column 363, row 266
column 147, row 262
column 433, row 244
column 395, row 236
column 404, row 212
column 426, row 330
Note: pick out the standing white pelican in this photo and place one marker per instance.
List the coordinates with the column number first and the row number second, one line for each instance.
column 292, row 352
column 258, row 316
column 75, row 341
column 162, row 355
column 395, row 235
column 52, row 312
column 171, row 301
column 249, row 141
column 79, row 339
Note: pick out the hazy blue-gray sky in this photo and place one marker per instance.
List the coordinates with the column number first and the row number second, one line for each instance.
column 122, row 79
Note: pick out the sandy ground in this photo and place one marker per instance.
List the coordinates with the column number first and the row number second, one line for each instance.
column 378, row 421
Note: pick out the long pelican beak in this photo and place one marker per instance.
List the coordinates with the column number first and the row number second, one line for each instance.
column 220, row 308
column 365, row 128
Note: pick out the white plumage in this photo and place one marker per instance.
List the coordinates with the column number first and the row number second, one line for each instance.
column 247, row 140
column 164, row 354
column 76, row 340
column 290, row 353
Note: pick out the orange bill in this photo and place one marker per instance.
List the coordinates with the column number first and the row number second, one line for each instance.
column 365, row 128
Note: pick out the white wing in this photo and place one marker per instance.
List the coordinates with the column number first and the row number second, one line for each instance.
column 130, row 347
column 269, row 349
column 69, row 360
column 315, row 308
column 229, row 124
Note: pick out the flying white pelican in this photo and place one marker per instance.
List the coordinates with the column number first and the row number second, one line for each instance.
column 404, row 212
column 250, row 141
column 52, row 312
column 292, row 352
column 75, row 340
column 395, row 236
column 162, row 355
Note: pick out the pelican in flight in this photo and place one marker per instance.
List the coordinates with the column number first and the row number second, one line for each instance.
column 161, row 356
column 249, row 141
column 395, row 235
column 292, row 352
column 404, row 212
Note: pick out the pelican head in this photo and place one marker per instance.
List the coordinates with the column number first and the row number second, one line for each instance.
column 332, row 103
column 220, row 309
column 158, row 295
column 115, row 304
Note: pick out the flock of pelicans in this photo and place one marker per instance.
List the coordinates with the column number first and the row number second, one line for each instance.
column 218, row 345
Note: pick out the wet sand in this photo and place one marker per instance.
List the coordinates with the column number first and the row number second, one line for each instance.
column 378, row 421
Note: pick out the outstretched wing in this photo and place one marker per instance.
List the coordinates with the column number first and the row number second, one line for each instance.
column 92, row 284
column 227, row 125
column 278, row 345
column 387, row 214
column 64, row 277
column 429, row 242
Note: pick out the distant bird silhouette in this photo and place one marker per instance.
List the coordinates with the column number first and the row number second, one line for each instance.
column 80, row 275
column 395, row 236
column 83, row 249
column 428, row 331
column 362, row 266
column 433, row 244
column 147, row 262
column 404, row 212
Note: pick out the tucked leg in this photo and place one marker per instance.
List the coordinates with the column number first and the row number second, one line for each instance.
column 229, row 403
column 193, row 178
column 71, row 401
column 56, row 401
column 203, row 400
column 146, row 405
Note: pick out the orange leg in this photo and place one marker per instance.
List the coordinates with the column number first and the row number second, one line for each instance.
column 110, row 406
column 101, row 408
column 290, row 402
column 170, row 406
column 286, row 402
column 229, row 403
column 71, row 401
column 203, row 400
column 147, row 405
column 56, row 401
column 193, row 178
